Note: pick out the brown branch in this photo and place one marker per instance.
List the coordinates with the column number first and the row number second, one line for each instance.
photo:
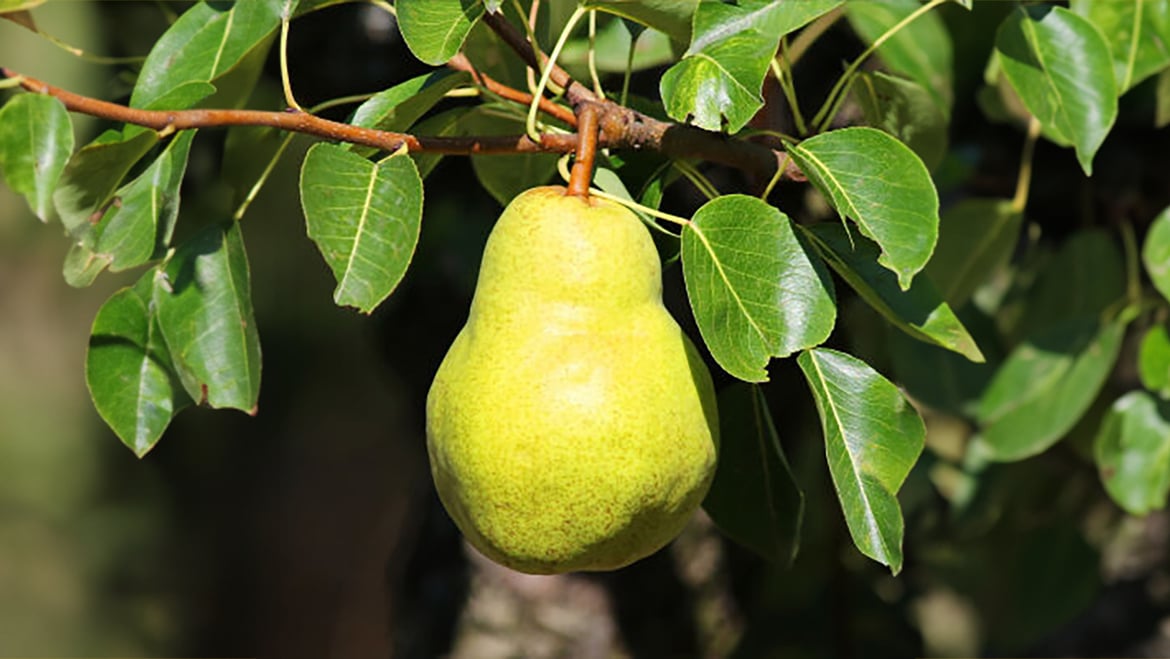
column 582, row 173
column 461, row 63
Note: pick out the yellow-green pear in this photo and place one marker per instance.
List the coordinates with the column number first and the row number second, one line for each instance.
column 572, row 425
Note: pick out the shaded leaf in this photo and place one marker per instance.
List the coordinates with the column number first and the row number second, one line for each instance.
column 128, row 369
column 754, row 499
column 92, row 175
column 505, row 176
column 873, row 437
column 1156, row 253
column 396, row 109
column 1162, row 100
column 1046, row 384
column 720, row 77
column 364, row 218
column 1154, row 361
column 975, row 238
column 904, row 109
column 940, row 378
column 756, row 289
column 443, row 124
column 1138, row 32
column 921, row 50
column 1133, row 452
column 920, row 310
column 1061, row 68
column 1083, row 279
column 672, row 17
column 203, row 299
column 434, row 30
column 36, row 140
column 875, row 180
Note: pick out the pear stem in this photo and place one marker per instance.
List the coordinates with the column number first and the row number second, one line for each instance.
column 582, row 173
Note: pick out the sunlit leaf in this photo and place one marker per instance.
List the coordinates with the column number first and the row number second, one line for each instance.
column 1138, row 32
column 434, row 30
column 873, row 437
column 1156, row 253
column 975, row 238
column 364, row 217
column 1154, row 361
column 1133, row 452
column 921, row 49
column 203, row 300
column 904, row 109
column 670, row 16
column 875, row 180
column 92, row 175
column 36, row 140
column 1061, row 68
column 756, row 288
column 397, row 108
column 128, row 369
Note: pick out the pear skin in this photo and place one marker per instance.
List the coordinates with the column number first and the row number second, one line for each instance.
column 572, row 424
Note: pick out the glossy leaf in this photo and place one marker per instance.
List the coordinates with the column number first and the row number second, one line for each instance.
column 364, row 218
column 1062, row 70
column 873, row 437
column 128, row 369
column 717, row 84
column 1133, row 452
column 434, row 30
column 754, row 499
column 756, row 289
column 903, row 108
column 921, row 49
column 206, row 42
column 1154, row 361
column 975, row 238
column 1138, row 32
column 920, row 310
column 204, row 304
column 880, row 184
column 36, row 140
column 670, row 16
column 92, row 175
column 1046, row 385
column 941, row 378
column 1156, row 253
column 397, row 108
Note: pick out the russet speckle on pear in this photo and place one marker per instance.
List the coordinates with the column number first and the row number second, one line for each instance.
column 571, row 425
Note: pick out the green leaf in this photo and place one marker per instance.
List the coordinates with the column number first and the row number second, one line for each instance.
column 206, row 42
column 443, row 124
column 720, row 77
column 880, row 184
column 756, row 289
column 940, row 378
column 919, row 311
column 873, row 437
column 128, row 369
column 670, row 16
column 1162, row 100
column 1154, row 361
column 83, row 265
column 204, row 304
column 904, row 109
column 1133, row 452
column 975, row 238
column 36, row 140
column 434, row 30
column 754, row 499
column 397, row 108
column 1083, row 279
column 612, row 44
column 1138, row 32
column 1061, row 68
column 138, row 225
column 505, row 176
column 364, row 217
column 92, row 175
column 921, row 50
column 1156, row 252
column 1045, row 385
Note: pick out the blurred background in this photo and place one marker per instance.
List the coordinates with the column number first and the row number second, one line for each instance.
column 312, row 529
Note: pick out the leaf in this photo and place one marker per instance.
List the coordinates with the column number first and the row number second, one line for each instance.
column 975, row 238
column 1133, row 452
column 612, row 44
column 505, row 176
column 921, row 50
column 1156, row 252
column 203, row 299
column 754, row 499
column 128, row 369
column 1162, row 100
column 873, row 437
column 443, row 124
column 940, row 378
column 92, row 175
column 756, row 289
column 919, row 311
column 1138, row 32
column 364, row 218
column 1154, row 361
column 880, row 184
column 1062, row 70
column 397, row 108
column 904, row 109
column 1045, row 385
column 206, row 42
column 670, row 16
column 36, row 140
column 720, row 76
column 1083, row 279
column 434, row 30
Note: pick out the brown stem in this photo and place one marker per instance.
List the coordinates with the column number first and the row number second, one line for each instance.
column 461, row 63
column 582, row 172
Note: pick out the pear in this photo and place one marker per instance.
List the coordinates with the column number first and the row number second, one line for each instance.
column 572, row 424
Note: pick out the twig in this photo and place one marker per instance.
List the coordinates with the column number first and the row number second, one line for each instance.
column 582, row 173
column 461, row 63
